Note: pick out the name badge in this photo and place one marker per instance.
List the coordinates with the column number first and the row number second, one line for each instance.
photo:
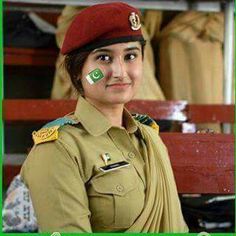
column 114, row 166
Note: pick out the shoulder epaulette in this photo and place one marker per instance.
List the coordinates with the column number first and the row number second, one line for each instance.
column 146, row 120
column 49, row 132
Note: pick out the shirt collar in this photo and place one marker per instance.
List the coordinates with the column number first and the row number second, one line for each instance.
column 95, row 122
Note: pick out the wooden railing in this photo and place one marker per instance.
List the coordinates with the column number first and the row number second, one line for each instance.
column 202, row 163
column 16, row 110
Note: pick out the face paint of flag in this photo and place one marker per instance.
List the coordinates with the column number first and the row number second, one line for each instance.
column 94, row 76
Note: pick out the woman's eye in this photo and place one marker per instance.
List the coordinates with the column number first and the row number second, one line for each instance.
column 130, row 57
column 105, row 58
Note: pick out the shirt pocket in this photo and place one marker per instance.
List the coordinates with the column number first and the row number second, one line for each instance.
column 118, row 197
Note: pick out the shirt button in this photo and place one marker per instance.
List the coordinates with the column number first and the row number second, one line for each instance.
column 131, row 155
column 119, row 188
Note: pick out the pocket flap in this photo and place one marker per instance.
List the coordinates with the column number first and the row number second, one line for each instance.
column 118, row 182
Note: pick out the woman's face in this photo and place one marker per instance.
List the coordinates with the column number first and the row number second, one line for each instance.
column 122, row 67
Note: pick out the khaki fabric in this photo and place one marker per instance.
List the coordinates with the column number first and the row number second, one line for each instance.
column 62, row 86
column 191, row 55
column 191, row 59
column 152, row 21
column 162, row 210
column 71, row 194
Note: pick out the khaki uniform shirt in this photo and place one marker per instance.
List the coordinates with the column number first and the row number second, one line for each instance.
column 69, row 191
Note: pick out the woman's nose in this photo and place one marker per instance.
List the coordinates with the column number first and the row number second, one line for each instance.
column 118, row 68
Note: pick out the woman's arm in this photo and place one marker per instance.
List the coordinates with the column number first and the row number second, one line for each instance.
column 57, row 189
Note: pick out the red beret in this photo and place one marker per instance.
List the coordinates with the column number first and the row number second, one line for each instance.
column 101, row 25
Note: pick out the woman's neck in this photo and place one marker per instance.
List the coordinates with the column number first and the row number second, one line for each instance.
column 113, row 112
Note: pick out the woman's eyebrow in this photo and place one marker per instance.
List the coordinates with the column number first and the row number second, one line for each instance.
column 101, row 50
column 110, row 50
column 132, row 48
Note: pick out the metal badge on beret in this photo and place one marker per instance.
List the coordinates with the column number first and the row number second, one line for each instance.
column 134, row 21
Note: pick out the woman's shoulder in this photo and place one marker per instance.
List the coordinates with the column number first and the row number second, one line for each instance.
column 149, row 125
column 146, row 122
column 54, row 146
column 57, row 136
column 56, row 129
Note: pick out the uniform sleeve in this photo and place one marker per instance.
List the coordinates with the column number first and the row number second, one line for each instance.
column 57, row 190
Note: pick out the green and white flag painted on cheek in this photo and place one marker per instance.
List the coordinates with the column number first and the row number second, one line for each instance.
column 95, row 76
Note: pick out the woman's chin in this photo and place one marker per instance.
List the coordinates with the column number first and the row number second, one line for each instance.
column 120, row 99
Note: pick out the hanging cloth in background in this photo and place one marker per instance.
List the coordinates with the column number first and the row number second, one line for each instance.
column 191, row 58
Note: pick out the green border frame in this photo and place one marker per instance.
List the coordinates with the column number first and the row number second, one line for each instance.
column 1, row 97
column 2, row 152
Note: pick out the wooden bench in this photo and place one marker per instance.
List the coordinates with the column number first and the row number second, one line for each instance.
column 202, row 163
column 42, row 110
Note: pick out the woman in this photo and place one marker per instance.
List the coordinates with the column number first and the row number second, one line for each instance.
column 98, row 169
column 62, row 87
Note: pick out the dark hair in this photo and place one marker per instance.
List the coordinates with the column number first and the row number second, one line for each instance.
column 74, row 62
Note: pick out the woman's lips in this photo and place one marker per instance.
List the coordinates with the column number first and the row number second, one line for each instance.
column 118, row 85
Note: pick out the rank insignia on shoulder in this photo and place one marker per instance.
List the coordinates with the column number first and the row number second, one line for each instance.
column 49, row 132
column 146, row 120
column 45, row 134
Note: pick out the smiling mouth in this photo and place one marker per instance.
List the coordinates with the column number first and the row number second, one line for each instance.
column 118, row 85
